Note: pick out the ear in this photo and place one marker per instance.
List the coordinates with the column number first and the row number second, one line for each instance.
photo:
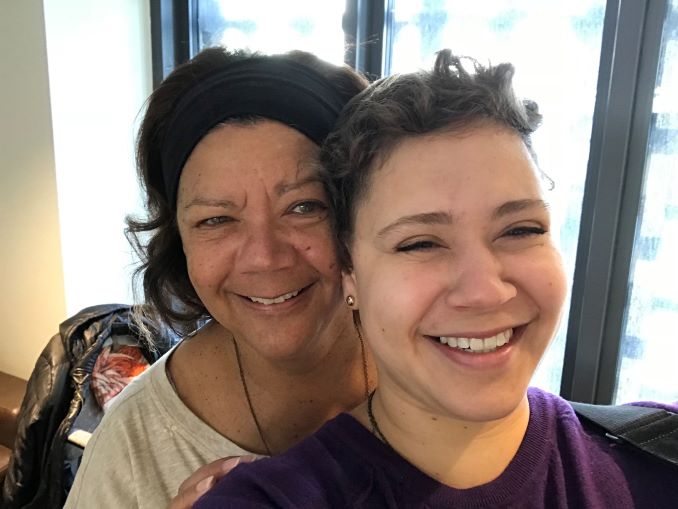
column 350, row 287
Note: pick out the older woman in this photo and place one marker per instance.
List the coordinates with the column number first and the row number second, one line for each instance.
column 239, row 237
column 449, row 259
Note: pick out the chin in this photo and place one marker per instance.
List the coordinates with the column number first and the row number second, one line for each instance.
column 289, row 344
column 485, row 408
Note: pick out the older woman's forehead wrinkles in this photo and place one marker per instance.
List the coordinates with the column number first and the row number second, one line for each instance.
column 511, row 207
column 425, row 218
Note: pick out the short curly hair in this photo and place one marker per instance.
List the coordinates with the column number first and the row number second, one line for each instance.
column 168, row 292
column 446, row 99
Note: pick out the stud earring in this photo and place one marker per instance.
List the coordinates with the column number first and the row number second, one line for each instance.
column 350, row 301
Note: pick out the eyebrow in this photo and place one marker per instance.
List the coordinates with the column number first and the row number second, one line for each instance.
column 445, row 218
column 226, row 204
column 427, row 218
column 511, row 207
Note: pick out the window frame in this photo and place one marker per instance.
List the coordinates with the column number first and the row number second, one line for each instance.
column 629, row 60
column 632, row 34
column 174, row 35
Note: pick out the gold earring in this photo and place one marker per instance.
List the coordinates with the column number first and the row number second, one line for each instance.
column 350, row 301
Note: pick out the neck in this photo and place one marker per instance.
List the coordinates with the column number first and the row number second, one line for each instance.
column 292, row 398
column 462, row 454
column 323, row 363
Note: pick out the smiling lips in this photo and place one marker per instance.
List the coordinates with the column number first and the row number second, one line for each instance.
column 473, row 345
column 275, row 300
column 478, row 345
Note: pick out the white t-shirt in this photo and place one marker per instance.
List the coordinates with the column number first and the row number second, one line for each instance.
column 146, row 445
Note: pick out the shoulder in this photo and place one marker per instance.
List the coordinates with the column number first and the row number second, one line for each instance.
column 554, row 419
column 324, row 470
column 581, row 452
column 105, row 473
column 147, row 415
column 135, row 409
column 571, row 431
column 147, row 442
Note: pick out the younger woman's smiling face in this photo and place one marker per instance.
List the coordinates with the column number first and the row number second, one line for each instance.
column 455, row 273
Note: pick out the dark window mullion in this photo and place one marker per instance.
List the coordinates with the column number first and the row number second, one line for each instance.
column 592, row 320
column 631, row 199
column 182, row 24
column 364, row 28
column 162, row 39
column 173, row 35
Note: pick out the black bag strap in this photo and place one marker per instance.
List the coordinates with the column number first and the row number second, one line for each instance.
column 652, row 430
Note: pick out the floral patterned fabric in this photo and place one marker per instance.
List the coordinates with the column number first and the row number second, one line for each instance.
column 115, row 367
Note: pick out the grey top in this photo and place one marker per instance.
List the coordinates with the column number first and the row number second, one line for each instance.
column 147, row 444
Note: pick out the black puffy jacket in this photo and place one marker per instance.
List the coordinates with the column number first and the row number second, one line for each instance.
column 55, row 394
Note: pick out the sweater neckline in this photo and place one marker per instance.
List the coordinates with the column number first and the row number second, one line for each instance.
column 528, row 462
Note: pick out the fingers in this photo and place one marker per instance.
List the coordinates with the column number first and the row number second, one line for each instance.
column 185, row 499
column 214, row 469
column 204, row 478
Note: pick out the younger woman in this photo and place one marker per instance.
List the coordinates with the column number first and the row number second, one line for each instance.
column 449, row 260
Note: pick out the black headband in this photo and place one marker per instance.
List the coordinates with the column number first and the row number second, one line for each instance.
column 271, row 87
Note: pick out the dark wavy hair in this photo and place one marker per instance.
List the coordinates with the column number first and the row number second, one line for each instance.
column 446, row 99
column 168, row 293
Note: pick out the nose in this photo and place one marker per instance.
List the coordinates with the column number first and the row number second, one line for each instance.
column 266, row 248
column 480, row 281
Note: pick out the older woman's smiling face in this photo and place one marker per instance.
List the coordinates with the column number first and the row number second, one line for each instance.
column 456, row 277
column 253, row 220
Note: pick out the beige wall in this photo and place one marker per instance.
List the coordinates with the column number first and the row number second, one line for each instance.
column 32, row 299
column 73, row 77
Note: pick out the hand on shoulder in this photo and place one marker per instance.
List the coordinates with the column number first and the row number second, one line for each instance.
column 198, row 483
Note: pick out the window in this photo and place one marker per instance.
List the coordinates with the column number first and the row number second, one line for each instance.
column 273, row 27
column 649, row 343
column 604, row 74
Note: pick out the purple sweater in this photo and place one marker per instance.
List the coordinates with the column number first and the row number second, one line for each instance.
column 560, row 463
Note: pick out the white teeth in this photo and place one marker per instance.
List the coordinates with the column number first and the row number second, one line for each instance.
column 276, row 300
column 478, row 345
column 503, row 338
column 491, row 343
